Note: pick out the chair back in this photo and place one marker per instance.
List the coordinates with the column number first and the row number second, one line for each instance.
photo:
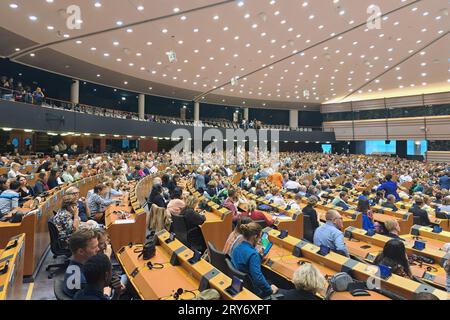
column 58, row 288
column 180, row 229
column 417, row 220
column 308, row 232
column 262, row 223
column 232, row 271
column 55, row 244
column 218, row 258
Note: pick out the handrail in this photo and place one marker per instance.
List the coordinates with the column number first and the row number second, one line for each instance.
column 106, row 112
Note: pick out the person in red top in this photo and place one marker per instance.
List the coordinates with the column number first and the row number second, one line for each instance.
column 230, row 204
column 256, row 215
column 277, row 179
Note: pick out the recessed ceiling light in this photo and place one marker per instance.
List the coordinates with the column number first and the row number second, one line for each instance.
column 97, row 4
column 140, row 8
column 13, row 6
column 32, row 18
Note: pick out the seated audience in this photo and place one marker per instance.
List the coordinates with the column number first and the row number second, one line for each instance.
column 193, row 222
column 420, row 213
column 235, row 237
column 97, row 272
column 390, row 203
column 97, row 203
column 309, row 211
column 246, row 258
column 308, row 282
column 445, row 207
column 330, row 234
column 176, row 204
column 394, row 256
column 41, row 185
column 25, row 191
column 364, row 208
column 156, row 196
column 257, row 215
column 341, row 200
column 66, row 219
column 83, row 244
column 393, row 228
column 230, row 204
column 9, row 199
column 53, row 179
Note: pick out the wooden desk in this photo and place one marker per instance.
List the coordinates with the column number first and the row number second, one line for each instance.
column 178, row 273
column 401, row 286
column 125, row 231
column 427, row 232
column 348, row 296
column 11, row 282
column 35, row 226
column 218, row 225
column 436, row 273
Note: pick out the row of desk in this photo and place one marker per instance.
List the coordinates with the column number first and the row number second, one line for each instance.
column 12, row 255
column 286, row 253
column 174, row 273
column 34, row 225
column 368, row 247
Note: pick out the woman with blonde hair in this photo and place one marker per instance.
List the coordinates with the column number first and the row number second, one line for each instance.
column 308, row 282
column 193, row 222
column 255, row 214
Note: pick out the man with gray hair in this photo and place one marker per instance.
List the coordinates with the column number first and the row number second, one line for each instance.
column 330, row 234
column 81, row 202
column 390, row 203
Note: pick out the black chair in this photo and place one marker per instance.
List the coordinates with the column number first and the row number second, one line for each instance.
column 417, row 220
column 218, row 258
column 180, row 229
column 262, row 223
column 232, row 271
column 57, row 249
column 308, row 231
column 58, row 288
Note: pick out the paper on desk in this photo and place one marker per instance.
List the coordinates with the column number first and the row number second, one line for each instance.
column 283, row 218
column 124, row 221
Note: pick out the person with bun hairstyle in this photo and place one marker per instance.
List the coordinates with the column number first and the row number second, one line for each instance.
column 246, row 258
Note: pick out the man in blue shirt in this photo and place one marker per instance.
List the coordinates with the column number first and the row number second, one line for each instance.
column 444, row 181
column 390, row 187
column 330, row 234
column 341, row 201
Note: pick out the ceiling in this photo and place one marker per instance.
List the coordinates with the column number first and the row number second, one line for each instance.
column 286, row 53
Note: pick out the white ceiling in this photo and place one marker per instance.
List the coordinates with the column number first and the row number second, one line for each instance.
column 218, row 43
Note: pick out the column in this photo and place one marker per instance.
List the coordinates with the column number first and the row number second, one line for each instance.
column 293, row 119
column 197, row 111
column 246, row 114
column 75, row 91
column 141, row 106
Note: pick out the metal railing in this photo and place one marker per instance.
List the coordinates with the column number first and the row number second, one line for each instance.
column 27, row 97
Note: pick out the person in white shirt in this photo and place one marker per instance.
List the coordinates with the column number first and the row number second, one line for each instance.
column 277, row 199
column 292, row 185
column 14, row 172
column 405, row 178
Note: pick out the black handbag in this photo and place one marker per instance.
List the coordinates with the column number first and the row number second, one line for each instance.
column 149, row 250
